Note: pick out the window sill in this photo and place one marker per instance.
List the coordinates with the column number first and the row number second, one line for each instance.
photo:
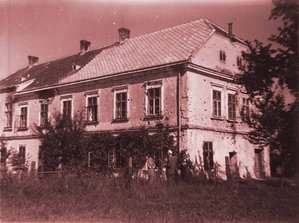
column 232, row 121
column 7, row 129
column 153, row 117
column 21, row 129
column 217, row 118
column 92, row 122
column 120, row 120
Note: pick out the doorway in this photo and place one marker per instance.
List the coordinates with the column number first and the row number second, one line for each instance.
column 258, row 161
column 233, row 164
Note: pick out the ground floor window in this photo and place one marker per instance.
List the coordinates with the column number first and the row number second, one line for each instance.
column 208, row 155
column 22, row 155
column 259, row 163
column 3, row 154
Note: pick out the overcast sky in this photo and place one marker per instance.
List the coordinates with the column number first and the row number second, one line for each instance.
column 52, row 29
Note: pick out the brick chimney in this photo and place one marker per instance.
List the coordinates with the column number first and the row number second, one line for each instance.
column 84, row 46
column 124, row 34
column 230, row 30
column 32, row 60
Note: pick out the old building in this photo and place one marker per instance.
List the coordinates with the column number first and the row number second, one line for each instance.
column 182, row 76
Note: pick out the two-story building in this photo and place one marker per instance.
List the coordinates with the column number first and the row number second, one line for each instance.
column 182, row 76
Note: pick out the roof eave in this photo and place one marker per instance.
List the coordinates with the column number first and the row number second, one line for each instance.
column 104, row 77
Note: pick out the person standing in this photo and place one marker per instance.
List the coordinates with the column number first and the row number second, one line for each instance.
column 151, row 169
column 171, row 168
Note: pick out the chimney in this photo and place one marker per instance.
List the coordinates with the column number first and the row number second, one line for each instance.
column 84, row 46
column 230, row 30
column 32, row 60
column 124, row 34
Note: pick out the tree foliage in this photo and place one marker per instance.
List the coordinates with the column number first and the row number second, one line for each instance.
column 266, row 75
column 63, row 142
column 66, row 143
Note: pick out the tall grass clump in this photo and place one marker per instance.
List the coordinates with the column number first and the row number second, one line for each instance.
column 94, row 198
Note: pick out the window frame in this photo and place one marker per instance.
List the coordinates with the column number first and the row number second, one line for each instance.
column 8, row 111
column 245, row 116
column 63, row 100
column 22, row 155
column 222, row 56
column 232, row 106
column 239, row 61
column 216, row 104
column 24, row 123
column 117, row 91
column 44, row 112
column 3, row 157
column 208, row 153
column 149, row 87
column 96, row 106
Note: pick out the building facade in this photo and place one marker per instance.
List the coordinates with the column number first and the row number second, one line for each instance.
column 182, row 76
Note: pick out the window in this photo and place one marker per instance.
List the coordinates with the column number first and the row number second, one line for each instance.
column 245, row 110
column 222, row 56
column 44, row 114
column 231, row 106
column 92, row 109
column 3, row 156
column 67, row 109
column 216, row 103
column 208, row 155
column 8, row 115
column 239, row 61
column 120, row 105
column 23, row 117
column 154, row 101
column 22, row 155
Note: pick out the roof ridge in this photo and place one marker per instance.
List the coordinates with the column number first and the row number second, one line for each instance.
column 223, row 30
column 164, row 29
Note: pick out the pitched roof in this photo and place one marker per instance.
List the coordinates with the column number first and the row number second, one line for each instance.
column 166, row 46
column 172, row 45
column 49, row 73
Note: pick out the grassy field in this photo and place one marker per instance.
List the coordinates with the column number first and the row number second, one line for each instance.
column 99, row 199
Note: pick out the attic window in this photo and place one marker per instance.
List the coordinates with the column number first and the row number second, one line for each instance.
column 75, row 67
column 239, row 61
column 222, row 56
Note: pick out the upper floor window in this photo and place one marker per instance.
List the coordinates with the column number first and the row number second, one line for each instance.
column 92, row 109
column 8, row 115
column 44, row 114
column 154, row 101
column 67, row 108
column 216, row 103
column 208, row 155
column 231, row 106
column 121, row 105
column 245, row 109
column 222, row 56
column 23, row 117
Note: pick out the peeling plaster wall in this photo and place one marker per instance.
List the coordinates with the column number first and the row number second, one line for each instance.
column 223, row 143
column 197, row 111
column 32, row 149
column 136, row 108
column 208, row 55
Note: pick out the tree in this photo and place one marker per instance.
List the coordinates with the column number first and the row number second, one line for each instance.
column 63, row 142
column 267, row 75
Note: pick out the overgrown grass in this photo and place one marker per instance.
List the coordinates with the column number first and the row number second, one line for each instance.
column 99, row 199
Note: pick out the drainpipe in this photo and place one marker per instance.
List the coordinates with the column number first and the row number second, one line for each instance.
column 179, row 111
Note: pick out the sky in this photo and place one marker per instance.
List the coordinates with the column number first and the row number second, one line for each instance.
column 51, row 29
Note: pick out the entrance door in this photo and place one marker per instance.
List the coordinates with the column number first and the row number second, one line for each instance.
column 233, row 164
column 259, row 169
